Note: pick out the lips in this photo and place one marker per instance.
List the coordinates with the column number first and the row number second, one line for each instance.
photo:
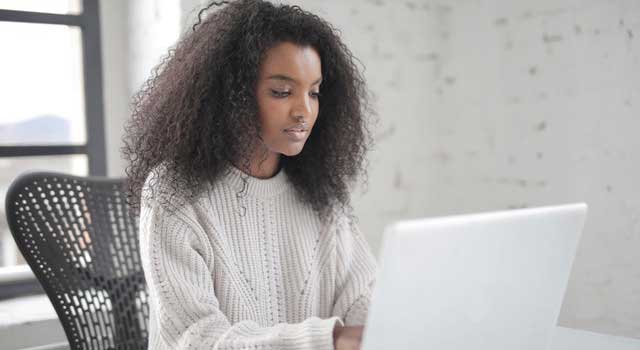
column 296, row 134
column 297, row 128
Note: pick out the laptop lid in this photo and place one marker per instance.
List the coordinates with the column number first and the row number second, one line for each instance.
column 480, row 281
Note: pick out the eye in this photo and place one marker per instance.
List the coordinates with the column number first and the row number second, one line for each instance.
column 280, row 94
column 315, row 94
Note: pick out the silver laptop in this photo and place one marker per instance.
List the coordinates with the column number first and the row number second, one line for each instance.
column 482, row 281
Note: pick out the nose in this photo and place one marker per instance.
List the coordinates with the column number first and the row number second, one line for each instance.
column 303, row 108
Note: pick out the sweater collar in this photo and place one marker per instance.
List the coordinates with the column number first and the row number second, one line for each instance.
column 255, row 187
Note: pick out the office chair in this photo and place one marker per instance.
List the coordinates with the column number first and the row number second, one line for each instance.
column 81, row 241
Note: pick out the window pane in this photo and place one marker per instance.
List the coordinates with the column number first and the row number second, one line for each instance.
column 12, row 167
column 47, row 6
column 42, row 85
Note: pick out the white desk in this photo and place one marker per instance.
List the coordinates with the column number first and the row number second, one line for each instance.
column 21, row 318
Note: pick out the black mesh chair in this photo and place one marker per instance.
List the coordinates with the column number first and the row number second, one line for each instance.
column 81, row 241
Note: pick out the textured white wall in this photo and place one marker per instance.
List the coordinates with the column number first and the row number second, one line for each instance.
column 154, row 26
column 504, row 104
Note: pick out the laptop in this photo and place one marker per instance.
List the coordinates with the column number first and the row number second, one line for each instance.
column 481, row 281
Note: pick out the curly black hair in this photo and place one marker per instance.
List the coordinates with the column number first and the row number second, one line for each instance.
column 194, row 113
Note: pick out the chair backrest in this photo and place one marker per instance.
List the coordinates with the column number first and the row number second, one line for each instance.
column 81, row 241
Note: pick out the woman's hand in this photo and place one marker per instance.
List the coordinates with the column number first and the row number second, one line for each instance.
column 347, row 338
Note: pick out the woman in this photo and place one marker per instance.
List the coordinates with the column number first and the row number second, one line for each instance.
column 242, row 149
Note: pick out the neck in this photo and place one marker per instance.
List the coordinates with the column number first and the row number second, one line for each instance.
column 264, row 164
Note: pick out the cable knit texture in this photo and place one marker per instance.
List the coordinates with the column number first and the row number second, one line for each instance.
column 258, row 271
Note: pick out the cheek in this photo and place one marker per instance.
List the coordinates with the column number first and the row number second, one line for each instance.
column 316, row 112
column 270, row 118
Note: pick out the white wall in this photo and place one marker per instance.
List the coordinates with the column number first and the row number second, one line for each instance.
column 485, row 105
column 135, row 35
column 115, row 64
column 546, row 95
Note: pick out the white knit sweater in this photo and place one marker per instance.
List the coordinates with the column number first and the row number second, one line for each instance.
column 255, row 272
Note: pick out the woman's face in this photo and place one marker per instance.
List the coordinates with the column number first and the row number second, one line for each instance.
column 288, row 97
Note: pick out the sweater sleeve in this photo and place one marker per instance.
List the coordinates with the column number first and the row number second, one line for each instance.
column 178, row 264
column 355, row 275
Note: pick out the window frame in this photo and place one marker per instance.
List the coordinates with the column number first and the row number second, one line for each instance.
column 12, row 283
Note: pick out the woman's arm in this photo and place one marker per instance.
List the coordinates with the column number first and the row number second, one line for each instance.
column 178, row 264
column 355, row 275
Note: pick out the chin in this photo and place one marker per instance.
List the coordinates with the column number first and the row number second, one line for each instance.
column 290, row 152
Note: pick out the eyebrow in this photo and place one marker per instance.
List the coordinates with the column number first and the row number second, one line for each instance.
column 286, row 78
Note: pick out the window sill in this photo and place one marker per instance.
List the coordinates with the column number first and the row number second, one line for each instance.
column 22, row 318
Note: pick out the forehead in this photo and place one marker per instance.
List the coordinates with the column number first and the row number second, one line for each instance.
column 301, row 63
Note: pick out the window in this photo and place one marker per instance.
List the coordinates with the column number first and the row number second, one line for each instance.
column 51, row 115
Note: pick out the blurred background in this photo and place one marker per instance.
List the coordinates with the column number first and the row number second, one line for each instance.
column 483, row 105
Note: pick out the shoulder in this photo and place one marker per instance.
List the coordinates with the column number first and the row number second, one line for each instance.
column 343, row 224
column 199, row 205
column 348, row 233
column 166, row 189
column 168, row 213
